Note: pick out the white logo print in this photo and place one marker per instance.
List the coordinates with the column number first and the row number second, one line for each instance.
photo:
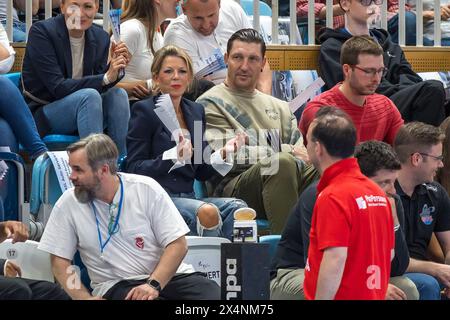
column 361, row 203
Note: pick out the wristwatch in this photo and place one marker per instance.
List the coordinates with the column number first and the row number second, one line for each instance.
column 154, row 284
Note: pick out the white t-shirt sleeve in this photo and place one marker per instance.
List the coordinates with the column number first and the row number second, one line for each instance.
column 165, row 219
column 6, row 64
column 130, row 35
column 59, row 236
column 179, row 36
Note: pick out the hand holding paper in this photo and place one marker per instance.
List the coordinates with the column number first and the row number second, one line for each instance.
column 184, row 149
column 114, row 16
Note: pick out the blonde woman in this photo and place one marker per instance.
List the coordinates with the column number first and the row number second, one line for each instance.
column 148, row 138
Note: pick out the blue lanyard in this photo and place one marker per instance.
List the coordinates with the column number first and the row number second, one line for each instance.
column 116, row 221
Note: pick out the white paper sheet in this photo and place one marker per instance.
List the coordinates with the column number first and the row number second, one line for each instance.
column 60, row 161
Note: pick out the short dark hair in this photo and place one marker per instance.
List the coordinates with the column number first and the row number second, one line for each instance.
column 247, row 35
column 335, row 131
column 356, row 45
column 416, row 137
column 375, row 155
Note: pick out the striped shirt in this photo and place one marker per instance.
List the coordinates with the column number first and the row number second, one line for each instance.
column 379, row 118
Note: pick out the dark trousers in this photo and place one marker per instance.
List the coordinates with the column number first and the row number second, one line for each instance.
column 186, row 286
column 423, row 101
column 27, row 289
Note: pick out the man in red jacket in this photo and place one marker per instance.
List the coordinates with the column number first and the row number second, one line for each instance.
column 352, row 230
column 374, row 116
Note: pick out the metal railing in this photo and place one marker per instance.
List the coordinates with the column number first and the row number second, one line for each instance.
column 310, row 27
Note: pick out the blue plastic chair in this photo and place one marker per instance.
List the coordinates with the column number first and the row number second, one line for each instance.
column 264, row 8
column 57, row 142
column 14, row 77
column 272, row 240
column 12, row 186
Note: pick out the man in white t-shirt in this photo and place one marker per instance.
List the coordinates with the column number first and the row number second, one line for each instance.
column 205, row 26
column 128, row 232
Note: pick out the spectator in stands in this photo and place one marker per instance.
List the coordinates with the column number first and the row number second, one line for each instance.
column 148, row 139
column 375, row 116
column 339, row 20
column 19, row 27
column 139, row 30
column 68, row 84
column 443, row 176
column 267, row 175
column 378, row 162
column 129, row 234
column 12, row 285
column 16, row 121
column 428, row 21
column 207, row 25
column 426, row 204
column 352, row 230
column 416, row 100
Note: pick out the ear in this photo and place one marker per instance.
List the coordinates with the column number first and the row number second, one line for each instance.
column 263, row 63
column 416, row 158
column 346, row 69
column 225, row 58
column 345, row 5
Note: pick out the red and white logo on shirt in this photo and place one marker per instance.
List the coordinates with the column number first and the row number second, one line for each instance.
column 139, row 242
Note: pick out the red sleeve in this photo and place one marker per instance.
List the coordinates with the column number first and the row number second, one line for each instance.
column 396, row 123
column 307, row 117
column 333, row 222
column 302, row 8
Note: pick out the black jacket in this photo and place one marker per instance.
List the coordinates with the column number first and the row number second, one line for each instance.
column 148, row 138
column 47, row 65
column 399, row 76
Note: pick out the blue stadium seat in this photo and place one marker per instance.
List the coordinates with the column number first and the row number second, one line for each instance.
column 264, row 8
column 56, row 142
column 14, row 77
column 122, row 163
column 12, row 186
column 272, row 240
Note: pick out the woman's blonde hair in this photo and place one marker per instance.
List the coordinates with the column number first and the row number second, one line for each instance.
column 170, row 51
column 145, row 11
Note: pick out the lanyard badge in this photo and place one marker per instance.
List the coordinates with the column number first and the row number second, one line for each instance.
column 113, row 224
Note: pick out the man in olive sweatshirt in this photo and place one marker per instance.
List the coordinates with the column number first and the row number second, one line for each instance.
column 272, row 169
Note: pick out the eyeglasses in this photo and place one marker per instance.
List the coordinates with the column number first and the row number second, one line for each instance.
column 370, row 72
column 437, row 158
column 367, row 3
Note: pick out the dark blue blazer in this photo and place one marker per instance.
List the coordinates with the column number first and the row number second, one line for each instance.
column 148, row 138
column 47, row 65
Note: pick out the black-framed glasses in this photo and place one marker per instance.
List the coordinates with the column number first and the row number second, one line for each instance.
column 367, row 3
column 371, row 72
column 437, row 158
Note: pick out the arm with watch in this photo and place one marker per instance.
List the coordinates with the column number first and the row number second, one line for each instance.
column 168, row 264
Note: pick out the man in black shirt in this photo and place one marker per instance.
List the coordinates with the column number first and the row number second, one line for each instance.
column 377, row 161
column 426, row 205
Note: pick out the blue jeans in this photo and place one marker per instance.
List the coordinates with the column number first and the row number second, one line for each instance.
column 87, row 111
column 189, row 206
column 410, row 28
column 19, row 31
column 16, row 121
column 445, row 42
column 429, row 287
